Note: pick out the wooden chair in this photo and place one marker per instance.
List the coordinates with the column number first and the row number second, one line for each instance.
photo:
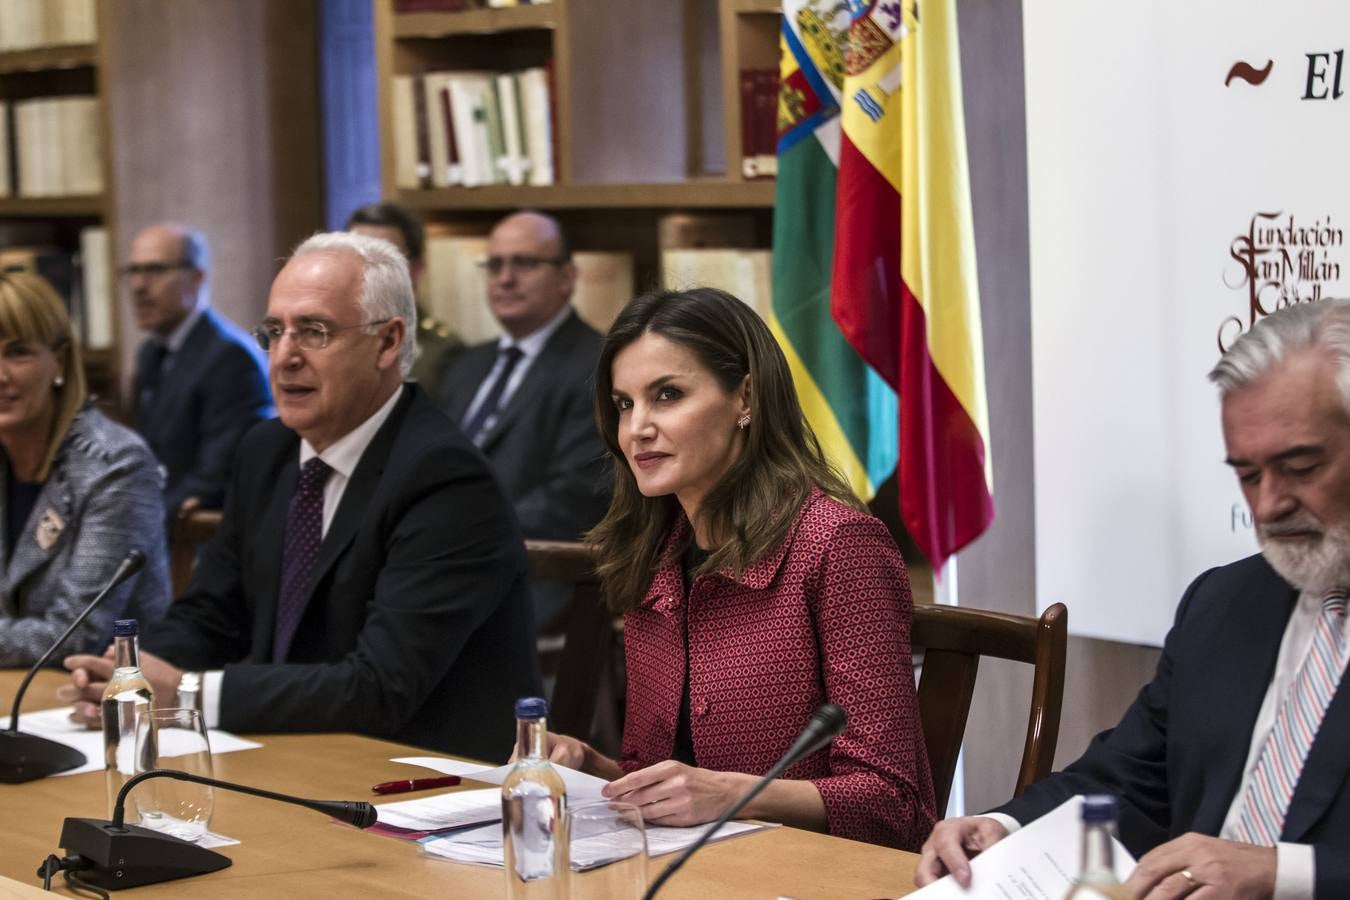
column 584, row 703
column 189, row 533
column 953, row 640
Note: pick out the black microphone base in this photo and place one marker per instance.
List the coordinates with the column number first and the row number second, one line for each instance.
column 132, row 856
column 27, row 757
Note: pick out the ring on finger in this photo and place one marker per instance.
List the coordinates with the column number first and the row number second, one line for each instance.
column 1190, row 879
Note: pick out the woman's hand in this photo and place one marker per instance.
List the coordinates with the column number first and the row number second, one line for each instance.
column 671, row 793
column 577, row 754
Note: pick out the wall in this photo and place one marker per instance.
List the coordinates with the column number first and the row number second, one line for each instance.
column 215, row 124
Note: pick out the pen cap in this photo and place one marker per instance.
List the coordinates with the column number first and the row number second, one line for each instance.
column 531, row 708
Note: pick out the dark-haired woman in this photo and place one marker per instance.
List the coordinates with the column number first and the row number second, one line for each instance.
column 77, row 491
column 753, row 588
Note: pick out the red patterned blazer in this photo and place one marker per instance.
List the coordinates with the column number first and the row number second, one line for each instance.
column 825, row 617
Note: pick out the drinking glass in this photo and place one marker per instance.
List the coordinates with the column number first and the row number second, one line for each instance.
column 606, row 851
column 173, row 739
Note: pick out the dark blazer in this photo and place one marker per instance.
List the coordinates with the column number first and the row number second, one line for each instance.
column 543, row 447
column 213, row 390
column 1175, row 760
column 101, row 499
column 417, row 628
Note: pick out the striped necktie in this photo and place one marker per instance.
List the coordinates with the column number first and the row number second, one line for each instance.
column 1266, row 803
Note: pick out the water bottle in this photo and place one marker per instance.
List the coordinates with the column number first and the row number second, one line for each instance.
column 534, row 804
column 126, row 698
column 1097, row 872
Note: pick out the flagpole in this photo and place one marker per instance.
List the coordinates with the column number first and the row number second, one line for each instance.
column 945, row 594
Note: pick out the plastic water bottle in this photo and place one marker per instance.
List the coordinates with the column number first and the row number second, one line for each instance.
column 1097, row 874
column 534, row 806
column 126, row 698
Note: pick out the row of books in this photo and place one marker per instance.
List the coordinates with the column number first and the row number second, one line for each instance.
column 759, row 123
column 412, row 6
column 455, row 285
column 27, row 24
column 473, row 128
column 50, row 147
column 81, row 277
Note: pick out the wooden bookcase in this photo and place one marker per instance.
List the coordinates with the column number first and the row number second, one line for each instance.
column 632, row 108
column 750, row 40
column 51, row 72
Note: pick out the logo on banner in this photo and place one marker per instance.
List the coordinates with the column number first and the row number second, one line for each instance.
column 1281, row 259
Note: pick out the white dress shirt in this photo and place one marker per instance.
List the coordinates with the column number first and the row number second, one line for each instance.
column 342, row 457
column 530, row 347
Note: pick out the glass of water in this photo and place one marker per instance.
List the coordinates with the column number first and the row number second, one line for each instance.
column 607, row 850
column 173, row 739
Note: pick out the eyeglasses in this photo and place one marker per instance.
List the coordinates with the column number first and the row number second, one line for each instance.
column 153, row 269
column 518, row 263
column 309, row 336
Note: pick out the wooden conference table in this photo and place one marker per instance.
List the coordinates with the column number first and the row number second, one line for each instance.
column 293, row 852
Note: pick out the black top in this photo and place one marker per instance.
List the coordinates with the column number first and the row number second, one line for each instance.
column 20, row 498
column 684, row 734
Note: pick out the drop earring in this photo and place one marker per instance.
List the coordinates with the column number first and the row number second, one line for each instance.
column 743, row 422
column 60, row 381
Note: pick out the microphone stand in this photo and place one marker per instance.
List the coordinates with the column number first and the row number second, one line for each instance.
column 27, row 757
column 112, row 854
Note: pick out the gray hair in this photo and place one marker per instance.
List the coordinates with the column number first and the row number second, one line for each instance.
column 1325, row 324
column 386, row 287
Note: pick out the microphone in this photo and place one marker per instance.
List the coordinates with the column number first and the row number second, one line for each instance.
column 826, row 722
column 112, row 854
column 25, row 757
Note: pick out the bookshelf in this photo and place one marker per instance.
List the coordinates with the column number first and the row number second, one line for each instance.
column 56, row 218
column 638, row 91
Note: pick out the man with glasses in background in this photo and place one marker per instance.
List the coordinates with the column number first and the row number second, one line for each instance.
column 525, row 398
column 368, row 575
column 200, row 382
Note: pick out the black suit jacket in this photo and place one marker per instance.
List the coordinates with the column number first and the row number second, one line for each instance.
column 417, row 627
column 1175, row 760
column 213, row 392
column 543, row 447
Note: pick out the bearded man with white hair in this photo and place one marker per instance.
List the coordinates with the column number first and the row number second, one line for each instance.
column 1231, row 766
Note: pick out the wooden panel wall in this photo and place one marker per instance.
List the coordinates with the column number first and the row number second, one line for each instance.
column 998, row 571
column 215, row 123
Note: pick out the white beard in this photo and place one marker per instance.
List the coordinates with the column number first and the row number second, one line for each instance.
column 1315, row 567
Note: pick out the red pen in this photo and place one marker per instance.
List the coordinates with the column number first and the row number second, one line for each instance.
column 415, row 784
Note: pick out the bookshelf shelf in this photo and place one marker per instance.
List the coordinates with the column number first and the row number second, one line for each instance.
column 741, row 7
column 712, row 193
column 45, row 207
column 41, row 59
column 474, row 21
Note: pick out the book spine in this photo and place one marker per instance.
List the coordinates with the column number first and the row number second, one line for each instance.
column 423, row 132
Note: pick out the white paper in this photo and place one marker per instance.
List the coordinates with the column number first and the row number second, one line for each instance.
column 1037, row 862
column 56, row 725
column 210, row 840
column 453, row 810
column 483, row 846
column 581, row 788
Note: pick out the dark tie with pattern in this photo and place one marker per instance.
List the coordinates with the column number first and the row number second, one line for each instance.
column 487, row 410
column 304, row 533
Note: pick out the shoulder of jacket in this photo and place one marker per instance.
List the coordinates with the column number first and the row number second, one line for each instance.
column 94, row 436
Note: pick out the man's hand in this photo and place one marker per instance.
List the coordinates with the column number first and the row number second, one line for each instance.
column 953, row 844
column 89, row 676
column 1218, row 869
column 671, row 793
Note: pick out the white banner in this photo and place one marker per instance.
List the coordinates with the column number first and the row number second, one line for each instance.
column 1188, row 173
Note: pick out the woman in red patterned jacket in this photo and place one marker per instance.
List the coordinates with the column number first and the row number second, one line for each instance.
column 753, row 586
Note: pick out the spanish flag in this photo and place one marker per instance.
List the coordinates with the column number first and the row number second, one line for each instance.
column 904, row 291
column 850, row 408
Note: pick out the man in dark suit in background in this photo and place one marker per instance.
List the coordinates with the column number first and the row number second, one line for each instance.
column 436, row 343
column 368, row 575
column 1231, row 766
column 526, row 398
column 200, row 381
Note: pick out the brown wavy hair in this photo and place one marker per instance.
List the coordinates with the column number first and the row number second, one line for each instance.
column 751, row 509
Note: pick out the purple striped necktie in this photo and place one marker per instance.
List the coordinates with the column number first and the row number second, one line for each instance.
column 304, row 534
column 1266, row 802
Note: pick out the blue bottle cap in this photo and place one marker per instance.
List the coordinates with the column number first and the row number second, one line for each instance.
column 531, row 708
column 1099, row 808
column 125, row 628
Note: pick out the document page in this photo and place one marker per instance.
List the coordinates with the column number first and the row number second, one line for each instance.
column 581, row 788
column 1037, row 862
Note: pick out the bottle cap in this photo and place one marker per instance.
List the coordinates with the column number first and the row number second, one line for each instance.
column 1099, row 808
column 125, row 628
column 531, row 708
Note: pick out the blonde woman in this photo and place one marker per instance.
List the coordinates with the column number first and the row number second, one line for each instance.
column 77, row 491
